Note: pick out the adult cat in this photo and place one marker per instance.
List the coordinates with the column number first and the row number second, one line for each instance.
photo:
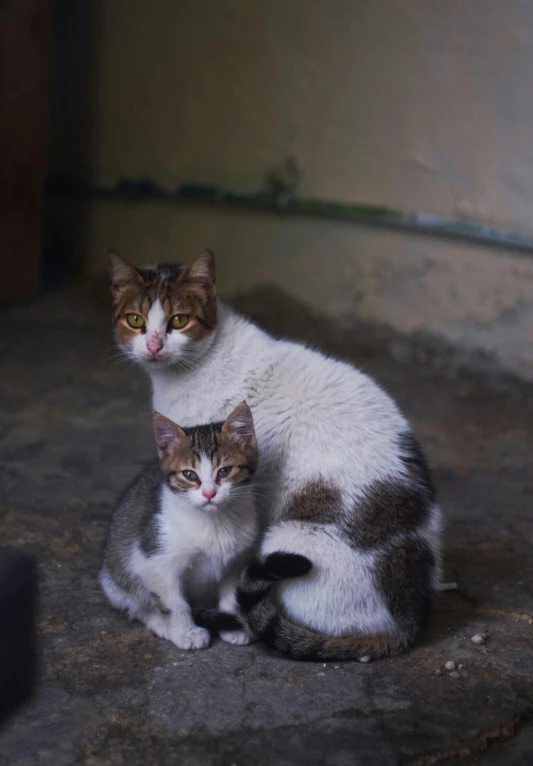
column 343, row 481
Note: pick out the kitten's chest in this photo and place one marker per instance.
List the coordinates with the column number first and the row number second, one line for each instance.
column 202, row 580
column 208, row 566
column 209, row 543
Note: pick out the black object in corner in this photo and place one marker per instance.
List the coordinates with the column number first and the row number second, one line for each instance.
column 18, row 630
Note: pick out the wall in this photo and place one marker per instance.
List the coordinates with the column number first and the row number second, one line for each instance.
column 420, row 105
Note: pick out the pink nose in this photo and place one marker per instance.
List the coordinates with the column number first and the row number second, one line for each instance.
column 154, row 345
column 209, row 493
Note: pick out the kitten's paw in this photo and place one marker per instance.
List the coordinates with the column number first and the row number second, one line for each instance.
column 237, row 637
column 159, row 626
column 190, row 638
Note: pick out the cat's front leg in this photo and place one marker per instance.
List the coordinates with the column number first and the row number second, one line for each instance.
column 182, row 630
column 189, row 637
column 228, row 603
column 158, row 624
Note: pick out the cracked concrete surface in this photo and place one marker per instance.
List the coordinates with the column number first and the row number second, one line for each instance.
column 75, row 427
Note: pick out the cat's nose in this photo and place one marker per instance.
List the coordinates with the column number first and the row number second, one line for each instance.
column 154, row 345
column 209, row 492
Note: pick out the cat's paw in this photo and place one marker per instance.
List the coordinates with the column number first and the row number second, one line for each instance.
column 159, row 626
column 237, row 637
column 190, row 638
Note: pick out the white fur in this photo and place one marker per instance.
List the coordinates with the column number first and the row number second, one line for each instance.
column 323, row 601
column 314, row 418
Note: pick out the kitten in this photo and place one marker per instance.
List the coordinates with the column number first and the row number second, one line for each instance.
column 349, row 564
column 182, row 533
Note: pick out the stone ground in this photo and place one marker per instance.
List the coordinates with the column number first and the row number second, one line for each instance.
column 75, row 428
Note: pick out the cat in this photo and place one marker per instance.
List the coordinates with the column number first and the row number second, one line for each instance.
column 350, row 559
column 182, row 533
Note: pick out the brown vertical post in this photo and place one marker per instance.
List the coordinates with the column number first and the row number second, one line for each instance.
column 24, row 54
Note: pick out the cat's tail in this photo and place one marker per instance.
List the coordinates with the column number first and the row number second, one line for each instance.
column 263, row 616
column 213, row 620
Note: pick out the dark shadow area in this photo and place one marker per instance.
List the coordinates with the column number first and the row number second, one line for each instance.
column 74, row 82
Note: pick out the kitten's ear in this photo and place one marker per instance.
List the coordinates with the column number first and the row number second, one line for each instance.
column 240, row 422
column 201, row 270
column 166, row 432
column 121, row 272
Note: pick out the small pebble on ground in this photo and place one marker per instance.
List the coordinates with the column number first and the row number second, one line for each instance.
column 477, row 639
column 450, row 665
column 455, row 674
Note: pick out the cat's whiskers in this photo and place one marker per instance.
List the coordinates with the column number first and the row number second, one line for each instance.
column 123, row 362
column 185, row 362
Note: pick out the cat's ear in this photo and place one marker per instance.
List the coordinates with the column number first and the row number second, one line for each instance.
column 121, row 272
column 166, row 433
column 240, row 422
column 201, row 270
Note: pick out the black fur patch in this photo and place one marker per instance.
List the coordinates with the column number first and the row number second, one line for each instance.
column 279, row 566
column 388, row 507
column 149, row 537
column 163, row 272
column 145, row 491
column 247, row 600
column 415, row 462
column 270, row 634
column 256, row 581
column 404, row 576
column 213, row 620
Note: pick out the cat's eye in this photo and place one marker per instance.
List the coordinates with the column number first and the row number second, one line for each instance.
column 223, row 472
column 190, row 475
column 178, row 321
column 136, row 321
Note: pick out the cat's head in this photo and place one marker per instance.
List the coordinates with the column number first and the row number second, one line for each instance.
column 164, row 315
column 210, row 465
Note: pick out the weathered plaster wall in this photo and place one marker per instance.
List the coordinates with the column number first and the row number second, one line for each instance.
column 419, row 105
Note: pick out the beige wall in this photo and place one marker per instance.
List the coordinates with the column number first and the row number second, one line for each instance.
column 418, row 104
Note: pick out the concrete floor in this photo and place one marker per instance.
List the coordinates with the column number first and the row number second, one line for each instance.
column 75, row 428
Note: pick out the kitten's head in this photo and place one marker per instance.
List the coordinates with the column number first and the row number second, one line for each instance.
column 164, row 315
column 210, row 464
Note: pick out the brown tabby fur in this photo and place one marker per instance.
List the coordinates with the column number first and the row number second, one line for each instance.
column 181, row 290
column 219, row 442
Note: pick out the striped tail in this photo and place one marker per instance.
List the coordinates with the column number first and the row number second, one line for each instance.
column 216, row 621
column 277, row 632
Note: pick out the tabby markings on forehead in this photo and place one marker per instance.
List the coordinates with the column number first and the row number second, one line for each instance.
column 163, row 272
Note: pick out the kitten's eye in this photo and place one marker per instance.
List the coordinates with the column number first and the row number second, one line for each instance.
column 190, row 475
column 136, row 321
column 223, row 472
column 178, row 321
